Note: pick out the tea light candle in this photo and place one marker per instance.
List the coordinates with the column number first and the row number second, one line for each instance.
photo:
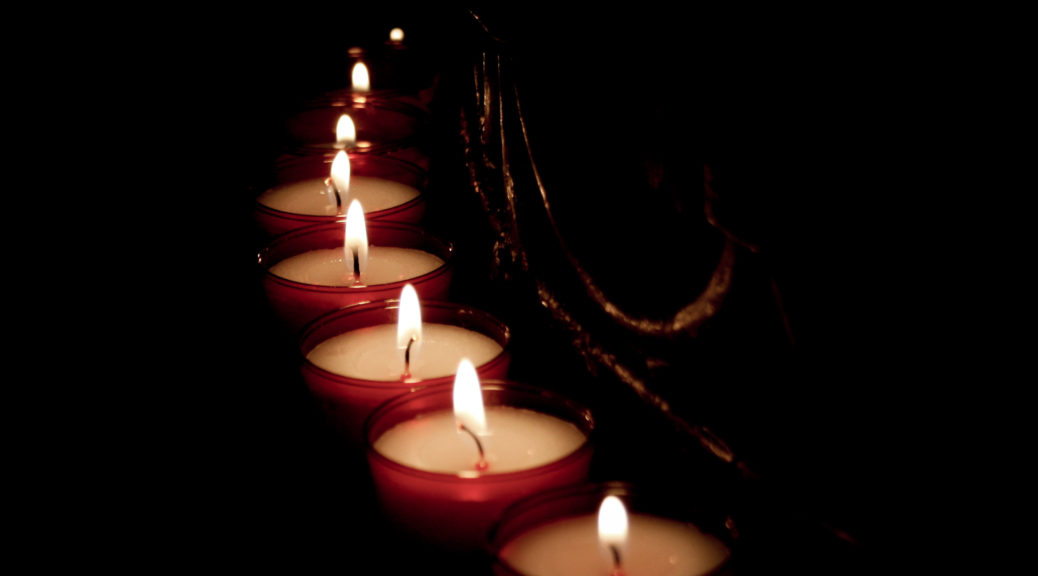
column 443, row 472
column 357, row 264
column 557, row 534
column 386, row 187
column 380, row 115
column 309, row 271
column 352, row 360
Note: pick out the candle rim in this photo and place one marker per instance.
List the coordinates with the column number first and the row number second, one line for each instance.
column 437, row 247
column 362, row 163
column 391, row 99
column 587, row 428
column 379, row 148
column 312, row 335
column 373, row 215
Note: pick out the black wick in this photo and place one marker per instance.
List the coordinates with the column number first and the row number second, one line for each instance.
column 482, row 464
column 356, row 264
column 616, row 556
column 329, row 186
column 407, row 364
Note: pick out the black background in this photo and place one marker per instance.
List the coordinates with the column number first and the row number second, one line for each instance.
column 812, row 140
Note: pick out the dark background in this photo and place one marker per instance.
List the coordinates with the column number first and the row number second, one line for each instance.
column 825, row 370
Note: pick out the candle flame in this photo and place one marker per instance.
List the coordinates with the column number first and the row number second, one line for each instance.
column 409, row 319
column 468, row 398
column 345, row 131
column 396, row 34
column 359, row 76
column 341, row 174
column 612, row 526
column 356, row 244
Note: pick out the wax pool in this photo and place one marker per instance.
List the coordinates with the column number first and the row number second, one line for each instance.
column 517, row 439
column 371, row 353
column 329, row 267
column 310, row 196
column 656, row 546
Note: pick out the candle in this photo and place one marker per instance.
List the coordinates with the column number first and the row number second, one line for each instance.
column 443, row 473
column 315, row 190
column 313, row 270
column 352, row 361
column 385, row 114
column 559, row 533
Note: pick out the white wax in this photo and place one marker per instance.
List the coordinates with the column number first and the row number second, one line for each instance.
column 310, row 197
column 328, row 266
column 516, row 439
column 655, row 547
column 371, row 353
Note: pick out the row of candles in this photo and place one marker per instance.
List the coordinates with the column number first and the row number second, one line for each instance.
column 460, row 456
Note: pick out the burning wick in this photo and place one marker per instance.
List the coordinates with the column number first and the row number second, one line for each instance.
column 616, row 560
column 482, row 463
column 356, row 265
column 407, row 365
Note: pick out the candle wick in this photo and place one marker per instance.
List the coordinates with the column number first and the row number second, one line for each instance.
column 330, row 188
column 407, row 359
column 482, row 463
column 356, row 265
column 616, row 560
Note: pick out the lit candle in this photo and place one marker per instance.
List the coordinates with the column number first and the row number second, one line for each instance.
column 386, row 187
column 356, row 358
column 447, row 459
column 357, row 263
column 557, row 534
column 320, row 268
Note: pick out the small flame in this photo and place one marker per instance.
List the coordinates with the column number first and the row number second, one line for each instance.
column 341, row 173
column 468, row 398
column 359, row 76
column 409, row 319
column 612, row 527
column 345, row 131
column 396, row 35
column 356, row 238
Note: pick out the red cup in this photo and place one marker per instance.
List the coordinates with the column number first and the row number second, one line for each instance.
column 378, row 116
column 297, row 303
column 273, row 222
column 456, row 511
column 347, row 401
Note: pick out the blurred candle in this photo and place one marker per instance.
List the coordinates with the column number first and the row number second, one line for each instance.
column 556, row 534
column 359, row 78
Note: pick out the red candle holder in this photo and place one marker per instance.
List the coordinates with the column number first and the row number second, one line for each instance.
column 380, row 116
column 273, row 221
column 297, row 303
column 347, row 401
column 668, row 534
column 455, row 510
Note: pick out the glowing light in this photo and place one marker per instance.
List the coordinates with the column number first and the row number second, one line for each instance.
column 468, row 399
column 409, row 320
column 356, row 245
column 359, row 77
column 345, row 131
column 612, row 527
